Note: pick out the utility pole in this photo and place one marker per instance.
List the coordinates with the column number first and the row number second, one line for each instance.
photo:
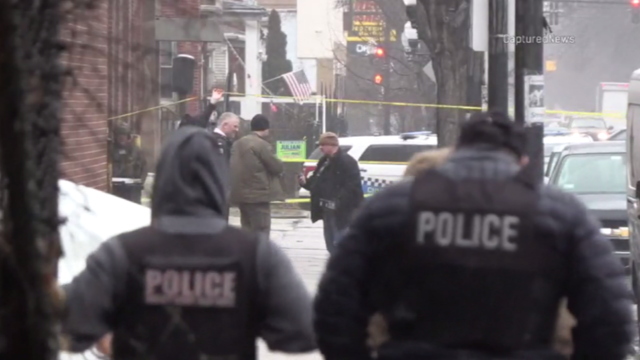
column 529, row 54
column 386, row 80
column 498, row 87
column 529, row 62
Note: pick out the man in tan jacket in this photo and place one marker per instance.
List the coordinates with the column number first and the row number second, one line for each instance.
column 255, row 177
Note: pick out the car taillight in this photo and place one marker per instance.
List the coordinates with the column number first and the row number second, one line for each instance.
column 308, row 169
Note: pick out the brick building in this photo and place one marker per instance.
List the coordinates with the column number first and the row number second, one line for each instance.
column 115, row 72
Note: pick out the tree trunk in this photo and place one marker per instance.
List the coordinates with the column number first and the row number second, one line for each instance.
column 444, row 27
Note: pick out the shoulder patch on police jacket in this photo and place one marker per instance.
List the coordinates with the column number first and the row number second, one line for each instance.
column 191, row 282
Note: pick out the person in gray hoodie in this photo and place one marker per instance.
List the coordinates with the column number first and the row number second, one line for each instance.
column 189, row 286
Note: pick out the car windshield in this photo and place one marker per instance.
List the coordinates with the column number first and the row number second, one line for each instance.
column 588, row 123
column 317, row 154
column 592, row 173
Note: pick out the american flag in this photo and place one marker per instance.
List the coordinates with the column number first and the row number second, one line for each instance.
column 299, row 85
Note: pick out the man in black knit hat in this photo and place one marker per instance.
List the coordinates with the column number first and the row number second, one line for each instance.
column 255, row 177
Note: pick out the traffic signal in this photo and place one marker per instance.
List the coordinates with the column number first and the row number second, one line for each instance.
column 635, row 3
column 635, row 11
column 377, row 79
column 379, row 52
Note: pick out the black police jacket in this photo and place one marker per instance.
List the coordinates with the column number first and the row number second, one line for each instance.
column 225, row 144
column 190, row 297
column 598, row 295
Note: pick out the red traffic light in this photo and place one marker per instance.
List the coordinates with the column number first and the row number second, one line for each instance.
column 380, row 51
column 378, row 79
column 635, row 3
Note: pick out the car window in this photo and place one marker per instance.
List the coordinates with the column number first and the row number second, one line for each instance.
column 592, row 173
column 588, row 123
column 411, row 150
column 317, row 154
column 393, row 153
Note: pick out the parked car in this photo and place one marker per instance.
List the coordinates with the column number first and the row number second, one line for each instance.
column 597, row 174
column 633, row 180
column 553, row 137
column 382, row 158
column 595, row 127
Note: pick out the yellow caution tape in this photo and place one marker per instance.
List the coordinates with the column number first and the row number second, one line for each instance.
column 371, row 102
column 151, row 109
column 359, row 162
column 302, row 200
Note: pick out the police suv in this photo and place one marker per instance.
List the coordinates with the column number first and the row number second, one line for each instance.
column 380, row 158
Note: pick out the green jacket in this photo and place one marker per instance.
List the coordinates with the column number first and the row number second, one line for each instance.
column 255, row 171
column 128, row 162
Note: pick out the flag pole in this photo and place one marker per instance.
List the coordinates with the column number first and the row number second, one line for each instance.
column 324, row 114
column 276, row 78
column 317, row 110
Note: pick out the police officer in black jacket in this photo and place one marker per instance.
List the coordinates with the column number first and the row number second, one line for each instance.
column 470, row 261
column 189, row 286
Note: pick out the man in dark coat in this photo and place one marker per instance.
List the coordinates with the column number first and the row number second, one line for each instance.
column 226, row 131
column 203, row 120
column 335, row 187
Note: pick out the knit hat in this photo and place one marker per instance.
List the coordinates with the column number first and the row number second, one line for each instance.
column 493, row 129
column 328, row 138
column 259, row 123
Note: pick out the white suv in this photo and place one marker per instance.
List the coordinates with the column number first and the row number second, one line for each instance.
column 374, row 152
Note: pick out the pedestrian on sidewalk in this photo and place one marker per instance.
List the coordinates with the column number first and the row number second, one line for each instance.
column 256, row 173
column 335, row 188
column 189, row 286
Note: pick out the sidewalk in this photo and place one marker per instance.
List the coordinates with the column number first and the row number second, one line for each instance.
column 278, row 211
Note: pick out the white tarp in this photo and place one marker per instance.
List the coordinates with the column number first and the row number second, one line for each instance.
column 92, row 217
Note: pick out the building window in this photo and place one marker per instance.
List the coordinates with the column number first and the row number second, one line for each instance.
column 167, row 51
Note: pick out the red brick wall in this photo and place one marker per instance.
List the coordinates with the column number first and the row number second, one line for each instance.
column 187, row 9
column 84, row 118
column 104, row 54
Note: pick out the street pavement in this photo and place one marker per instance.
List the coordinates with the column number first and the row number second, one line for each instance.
column 304, row 243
